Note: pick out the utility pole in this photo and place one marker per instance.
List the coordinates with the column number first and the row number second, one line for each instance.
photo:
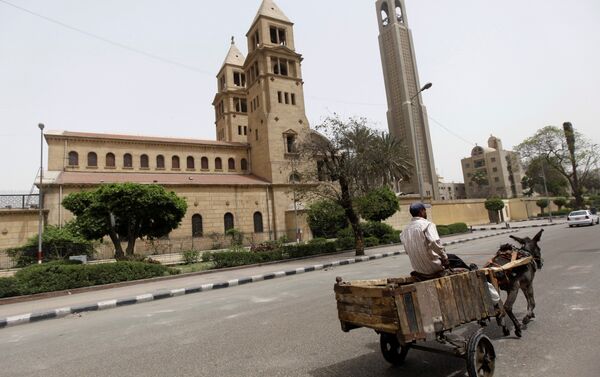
column 416, row 146
column 546, row 190
column 40, row 199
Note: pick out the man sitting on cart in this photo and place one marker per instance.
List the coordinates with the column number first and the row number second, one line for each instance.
column 425, row 250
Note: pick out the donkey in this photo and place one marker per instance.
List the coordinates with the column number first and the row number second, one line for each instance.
column 519, row 277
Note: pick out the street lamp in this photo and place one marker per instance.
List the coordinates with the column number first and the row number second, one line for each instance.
column 41, row 207
column 546, row 190
column 414, row 141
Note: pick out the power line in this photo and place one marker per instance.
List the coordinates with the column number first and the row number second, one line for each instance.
column 106, row 40
column 451, row 132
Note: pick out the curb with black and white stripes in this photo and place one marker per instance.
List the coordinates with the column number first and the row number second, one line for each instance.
column 516, row 227
column 111, row 304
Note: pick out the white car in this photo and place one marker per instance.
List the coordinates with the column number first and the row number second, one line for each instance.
column 583, row 217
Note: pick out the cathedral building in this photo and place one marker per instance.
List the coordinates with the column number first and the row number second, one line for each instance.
column 243, row 180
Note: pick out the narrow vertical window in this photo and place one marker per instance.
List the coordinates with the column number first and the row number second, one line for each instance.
column 191, row 165
column 258, row 222
column 244, row 164
column 92, row 159
column 204, row 163
column 293, row 96
column 228, row 221
column 160, row 162
column 110, row 160
column 175, row 162
column 73, row 158
column 144, row 161
column 280, row 97
column 287, row 98
column 127, row 161
column 197, row 230
column 218, row 164
column 231, row 164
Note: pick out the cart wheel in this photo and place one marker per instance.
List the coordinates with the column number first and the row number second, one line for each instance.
column 391, row 349
column 481, row 357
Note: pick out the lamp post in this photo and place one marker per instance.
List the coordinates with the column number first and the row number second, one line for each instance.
column 414, row 142
column 41, row 207
column 546, row 191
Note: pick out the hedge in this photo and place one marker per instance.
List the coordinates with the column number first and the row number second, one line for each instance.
column 57, row 276
column 299, row 251
column 227, row 259
column 458, row 228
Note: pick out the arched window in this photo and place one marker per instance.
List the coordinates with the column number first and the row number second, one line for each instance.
column 73, row 158
column 190, row 163
column 144, row 161
column 231, row 164
column 218, row 164
column 244, row 164
column 127, row 161
column 160, row 161
column 258, row 222
column 204, row 163
column 228, row 220
column 92, row 159
column 197, row 226
column 175, row 162
column 385, row 15
column 110, row 160
column 294, row 178
column 399, row 15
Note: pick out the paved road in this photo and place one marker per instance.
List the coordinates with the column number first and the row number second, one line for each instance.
column 288, row 327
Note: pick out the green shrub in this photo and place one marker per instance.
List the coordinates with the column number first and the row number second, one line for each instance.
column 242, row 258
column 57, row 244
column 9, row 287
column 237, row 237
column 458, row 228
column 191, row 256
column 371, row 241
column 345, row 243
column 378, row 204
column 562, row 212
column 317, row 241
column 376, row 229
column 299, row 251
column 345, row 233
column 443, row 230
column 389, row 239
column 207, row 256
column 54, row 276
column 326, row 218
column 266, row 246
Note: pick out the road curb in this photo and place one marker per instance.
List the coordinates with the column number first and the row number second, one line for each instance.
column 22, row 319
column 517, row 227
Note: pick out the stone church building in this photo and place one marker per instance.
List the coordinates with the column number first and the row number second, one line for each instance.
column 243, row 180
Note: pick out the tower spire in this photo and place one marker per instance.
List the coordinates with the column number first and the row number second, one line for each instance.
column 269, row 9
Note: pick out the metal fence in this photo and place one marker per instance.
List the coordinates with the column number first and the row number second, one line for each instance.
column 19, row 201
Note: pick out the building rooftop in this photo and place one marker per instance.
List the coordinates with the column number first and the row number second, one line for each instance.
column 268, row 8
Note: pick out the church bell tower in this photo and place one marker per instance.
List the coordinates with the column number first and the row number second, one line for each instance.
column 407, row 115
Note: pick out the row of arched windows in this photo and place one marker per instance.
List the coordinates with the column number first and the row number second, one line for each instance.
column 110, row 162
column 228, row 223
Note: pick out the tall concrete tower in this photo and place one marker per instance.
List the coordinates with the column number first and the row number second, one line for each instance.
column 407, row 116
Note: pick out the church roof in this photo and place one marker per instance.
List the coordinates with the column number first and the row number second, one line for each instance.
column 167, row 179
column 234, row 56
column 268, row 8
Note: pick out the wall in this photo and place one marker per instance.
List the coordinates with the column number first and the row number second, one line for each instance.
column 471, row 212
column 16, row 226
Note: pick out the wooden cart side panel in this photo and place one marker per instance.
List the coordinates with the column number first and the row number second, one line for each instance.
column 384, row 324
column 429, row 306
column 447, row 303
column 373, row 310
column 365, row 301
column 488, row 304
column 472, row 298
column 479, row 294
column 374, row 291
column 459, row 297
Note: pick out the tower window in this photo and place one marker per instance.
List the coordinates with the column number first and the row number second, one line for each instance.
column 399, row 15
column 278, row 36
column 222, row 82
column 241, row 105
column 92, row 159
column 280, row 66
column 239, row 130
column 256, row 39
column 73, row 159
column 385, row 18
column 239, row 79
column 293, row 97
column 280, row 97
column 290, row 143
column 245, row 130
column 287, row 98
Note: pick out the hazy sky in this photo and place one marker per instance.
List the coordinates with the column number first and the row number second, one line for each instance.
column 504, row 67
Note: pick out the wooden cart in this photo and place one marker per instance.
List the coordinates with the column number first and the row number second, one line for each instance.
column 405, row 312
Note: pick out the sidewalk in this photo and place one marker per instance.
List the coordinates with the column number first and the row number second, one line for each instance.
column 56, row 307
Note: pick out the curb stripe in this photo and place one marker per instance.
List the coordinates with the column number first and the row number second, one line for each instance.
column 110, row 304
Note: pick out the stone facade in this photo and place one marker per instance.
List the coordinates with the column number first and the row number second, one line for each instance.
column 407, row 115
column 451, row 190
column 493, row 172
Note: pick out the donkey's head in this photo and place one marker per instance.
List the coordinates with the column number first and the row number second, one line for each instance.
column 532, row 247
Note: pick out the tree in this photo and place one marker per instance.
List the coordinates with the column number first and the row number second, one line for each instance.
column 352, row 159
column 326, row 218
column 378, row 204
column 556, row 183
column 126, row 212
column 542, row 203
column 495, row 205
column 570, row 153
column 481, row 180
column 560, row 202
